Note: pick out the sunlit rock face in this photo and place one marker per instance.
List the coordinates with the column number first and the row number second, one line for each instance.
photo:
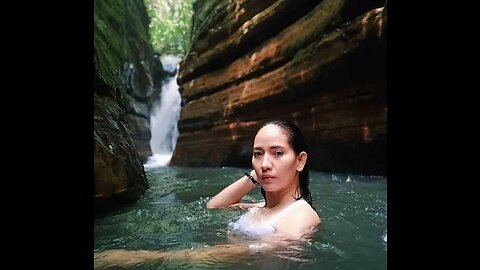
column 320, row 64
column 123, row 88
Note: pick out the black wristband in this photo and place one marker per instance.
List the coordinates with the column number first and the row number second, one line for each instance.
column 247, row 174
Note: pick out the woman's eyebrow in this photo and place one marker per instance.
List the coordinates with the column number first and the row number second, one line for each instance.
column 273, row 147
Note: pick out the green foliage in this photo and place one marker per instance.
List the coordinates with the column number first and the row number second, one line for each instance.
column 170, row 25
column 107, row 16
column 120, row 36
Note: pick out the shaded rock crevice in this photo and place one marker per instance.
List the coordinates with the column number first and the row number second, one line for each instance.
column 118, row 171
column 124, row 82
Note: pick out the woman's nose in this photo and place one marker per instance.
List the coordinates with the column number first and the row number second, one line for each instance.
column 266, row 164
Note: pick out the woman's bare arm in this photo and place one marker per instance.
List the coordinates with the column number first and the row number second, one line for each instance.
column 242, row 205
column 217, row 253
column 233, row 193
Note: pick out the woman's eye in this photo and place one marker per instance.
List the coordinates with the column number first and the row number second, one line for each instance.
column 257, row 154
column 278, row 153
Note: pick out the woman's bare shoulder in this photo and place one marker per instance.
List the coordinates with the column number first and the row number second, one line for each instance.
column 304, row 220
column 306, row 215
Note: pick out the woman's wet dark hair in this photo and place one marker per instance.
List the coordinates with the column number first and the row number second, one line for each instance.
column 299, row 143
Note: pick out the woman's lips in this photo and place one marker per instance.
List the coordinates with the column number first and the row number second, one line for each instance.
column 267, row 178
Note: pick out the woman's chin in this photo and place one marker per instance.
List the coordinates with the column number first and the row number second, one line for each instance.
column 269, row 187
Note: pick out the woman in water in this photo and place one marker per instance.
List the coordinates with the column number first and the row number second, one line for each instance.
column 280, row 167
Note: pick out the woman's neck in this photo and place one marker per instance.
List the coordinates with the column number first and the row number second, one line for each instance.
column 282, row 198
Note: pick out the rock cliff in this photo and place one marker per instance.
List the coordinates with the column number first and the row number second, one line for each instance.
column 123, row 86
column 320, row 64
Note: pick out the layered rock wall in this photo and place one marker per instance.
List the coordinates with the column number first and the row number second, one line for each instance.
column 321, row 65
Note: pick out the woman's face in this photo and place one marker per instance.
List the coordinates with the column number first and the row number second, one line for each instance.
column 274, row 160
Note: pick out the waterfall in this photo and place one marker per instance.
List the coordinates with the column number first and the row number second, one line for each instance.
column 164, row 117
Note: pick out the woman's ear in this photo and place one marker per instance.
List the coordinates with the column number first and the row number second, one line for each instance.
column 301, row 161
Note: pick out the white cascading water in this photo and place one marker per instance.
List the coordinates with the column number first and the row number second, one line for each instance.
column 164, row 118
